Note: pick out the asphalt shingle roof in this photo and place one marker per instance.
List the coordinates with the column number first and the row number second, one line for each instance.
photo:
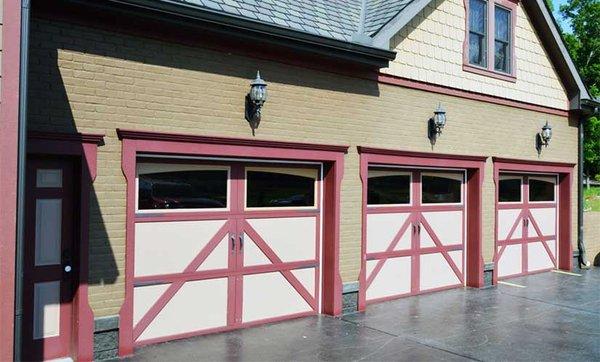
column 337, row 19
column 379, row 12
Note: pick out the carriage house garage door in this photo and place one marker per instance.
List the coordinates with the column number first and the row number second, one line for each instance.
column 415, row 231
column 224, row 244
column 527, row 224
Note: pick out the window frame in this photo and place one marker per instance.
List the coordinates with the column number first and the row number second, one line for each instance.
column 489, row 70
column 444, row 174
column 546, row 178
column 521, row 189
column 265, row 168
column 183, row 164
column 401, row 172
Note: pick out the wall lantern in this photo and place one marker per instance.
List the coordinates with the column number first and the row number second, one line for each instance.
column 544, row 137
column 255, row 99
column 437, row 123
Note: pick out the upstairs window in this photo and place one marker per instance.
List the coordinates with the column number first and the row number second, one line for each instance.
column 502, row 40
column 478, row 33
column 489, row 44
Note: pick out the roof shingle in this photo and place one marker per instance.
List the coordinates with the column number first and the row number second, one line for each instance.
column 337, row 19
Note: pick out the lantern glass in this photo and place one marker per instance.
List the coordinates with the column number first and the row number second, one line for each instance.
column 547, row 133
column 440, row 119
column 258, row 93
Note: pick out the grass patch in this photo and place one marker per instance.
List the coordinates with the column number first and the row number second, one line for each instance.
column 591, row 198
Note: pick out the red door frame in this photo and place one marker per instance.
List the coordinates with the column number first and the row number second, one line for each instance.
column 134, row 142
column 475, row 172
column 84, row 147
column 565, row 184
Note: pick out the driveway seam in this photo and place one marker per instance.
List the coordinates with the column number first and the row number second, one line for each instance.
column 412, row 339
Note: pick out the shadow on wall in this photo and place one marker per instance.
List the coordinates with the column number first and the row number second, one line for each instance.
column 65, row 94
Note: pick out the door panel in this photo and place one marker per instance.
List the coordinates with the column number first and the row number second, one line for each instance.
column 50, row 268
column 526, row 224
column 204, row 270
column 418, row 244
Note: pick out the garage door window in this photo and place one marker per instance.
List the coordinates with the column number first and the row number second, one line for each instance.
column 541, row 189
column 442, row 188
column 510, row 189
column 388, row 187
column 181, row 187
column 280, row 187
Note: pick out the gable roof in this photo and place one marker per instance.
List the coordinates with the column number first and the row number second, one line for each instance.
column 337, row 19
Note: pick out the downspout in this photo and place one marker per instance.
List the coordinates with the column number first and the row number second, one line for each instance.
column 19, row 262
column 582, row 261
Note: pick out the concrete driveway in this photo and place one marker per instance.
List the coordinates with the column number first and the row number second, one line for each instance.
column 544, row 317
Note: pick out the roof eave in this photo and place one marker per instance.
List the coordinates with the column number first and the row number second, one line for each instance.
column 238, row 26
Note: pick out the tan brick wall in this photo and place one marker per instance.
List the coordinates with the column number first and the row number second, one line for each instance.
column 591, row 232
column 94, row 81
column 430, row 49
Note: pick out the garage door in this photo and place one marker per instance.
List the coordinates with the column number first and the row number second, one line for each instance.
column 415, row 231
column 223, row 245
column 526, row 224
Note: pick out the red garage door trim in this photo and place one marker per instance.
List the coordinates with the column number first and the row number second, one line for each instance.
column 135, row 143
column 474, row 180
column 565, row 182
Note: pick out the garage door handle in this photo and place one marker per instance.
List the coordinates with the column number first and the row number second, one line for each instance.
column 419, row 228
column 232, row 242
column 241, row 241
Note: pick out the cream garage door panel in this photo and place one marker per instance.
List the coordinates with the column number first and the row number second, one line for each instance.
column 381, row 230
column 447, row 225
column 218, row 258
column 270, row 295
column 538, row 258
column 252, row 254
column 198, row 305
column 307, row 278
column 394, row 278
column 511, row 261
column 436, row 272
column 506, row 220
column 546, row 220
column 168, row 247
column 144, row 298
column 292, row 239
column 457, row 257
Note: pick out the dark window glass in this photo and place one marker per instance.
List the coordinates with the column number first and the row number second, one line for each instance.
column 272, row 189
column 388, row 190
column 509, row 190
column 478, row 32
column 194, row 189
column 502, row 40
column 440, row 190
column 541, row 190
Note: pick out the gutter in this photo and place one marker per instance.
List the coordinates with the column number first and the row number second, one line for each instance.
column 242, row 27
column 21, row 174
column 590, row 108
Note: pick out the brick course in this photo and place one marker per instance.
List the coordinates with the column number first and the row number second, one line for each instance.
column 89, row 80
